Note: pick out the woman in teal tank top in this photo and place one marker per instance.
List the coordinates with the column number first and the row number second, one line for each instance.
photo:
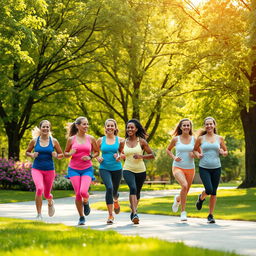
column 208, row 148
column 110, row 166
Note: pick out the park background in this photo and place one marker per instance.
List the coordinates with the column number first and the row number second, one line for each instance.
column 157, row 60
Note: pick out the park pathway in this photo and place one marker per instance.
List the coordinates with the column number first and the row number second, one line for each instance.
column 237, row 236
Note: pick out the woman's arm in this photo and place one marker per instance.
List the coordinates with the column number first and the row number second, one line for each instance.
column 68, row 152
column 170, row 147
column 98, row 142
column 29, row 149
column 197, row 150
column 223, row 148
column 147, row 149
column 59, row 153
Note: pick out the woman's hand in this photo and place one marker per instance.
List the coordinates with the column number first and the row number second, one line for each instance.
column 223, row 152
column 177, row 159
column 100, row 159
column 137, row 156
column 117, row 157
column 55, row 154
column 86, row 158
column 34, row 155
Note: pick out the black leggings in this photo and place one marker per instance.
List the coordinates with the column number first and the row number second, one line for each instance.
column 111, row 180
column 210, row 179
column 134, row 181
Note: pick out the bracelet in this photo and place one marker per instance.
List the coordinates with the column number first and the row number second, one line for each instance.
column 91, row 157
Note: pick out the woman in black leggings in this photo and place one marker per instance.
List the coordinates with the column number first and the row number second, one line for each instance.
column 208, row 148
column 110, row 166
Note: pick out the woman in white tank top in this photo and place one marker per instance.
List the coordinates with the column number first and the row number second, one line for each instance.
column 183, row 167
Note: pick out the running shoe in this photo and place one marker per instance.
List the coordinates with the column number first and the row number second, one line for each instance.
column 175, row 205
column 131, row 215
column 39, row 217
column 116, row 207
column 199, row 203
column 183, row 216
column 110, row 220
column 51, row 209
column 87, row 208
column 210, row 219
column 135, row 219
column 81, row 220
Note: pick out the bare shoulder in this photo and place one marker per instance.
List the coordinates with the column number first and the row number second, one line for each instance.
column 121, row 140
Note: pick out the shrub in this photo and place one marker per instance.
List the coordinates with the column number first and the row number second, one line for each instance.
column 16, row 174
column 62, row 183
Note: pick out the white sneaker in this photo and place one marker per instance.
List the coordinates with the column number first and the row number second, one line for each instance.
column 51, row 209
column 39, row 217
column 183, row 216
column 175, row 206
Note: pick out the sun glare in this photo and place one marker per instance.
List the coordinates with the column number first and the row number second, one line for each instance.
column 197, row 2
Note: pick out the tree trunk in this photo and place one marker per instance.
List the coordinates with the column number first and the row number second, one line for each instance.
column 13, row 145
column 249, row 126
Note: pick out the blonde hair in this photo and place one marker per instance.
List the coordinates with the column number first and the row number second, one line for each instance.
column 115, row 123
column 36, row 132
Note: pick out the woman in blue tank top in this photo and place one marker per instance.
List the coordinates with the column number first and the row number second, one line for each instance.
column 110, row 166
column 45, row 147
column 208, row 148
column 183, row 167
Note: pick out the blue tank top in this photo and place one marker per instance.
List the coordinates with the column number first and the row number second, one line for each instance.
column 109, row 162
column 44, row 160
column 211, row 155
column 182, row 151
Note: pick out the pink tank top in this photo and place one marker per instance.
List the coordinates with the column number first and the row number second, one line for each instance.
column 81, row 150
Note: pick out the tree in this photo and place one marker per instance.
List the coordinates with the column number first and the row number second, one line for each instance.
column 43, row 41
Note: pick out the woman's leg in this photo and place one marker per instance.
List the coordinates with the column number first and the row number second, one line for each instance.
column 48, row 182
column 139, row 179
column 107, row 180
column 189, row 174
column 179, row 175
column 130, row 180
column 206, row 179
column 76, row 182
column 39, row 183
column 215, row 178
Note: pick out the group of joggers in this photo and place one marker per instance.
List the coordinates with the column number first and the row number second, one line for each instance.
column 110, row 149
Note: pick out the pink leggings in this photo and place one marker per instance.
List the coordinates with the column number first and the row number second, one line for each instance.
column 43, row 181
column 81, row 186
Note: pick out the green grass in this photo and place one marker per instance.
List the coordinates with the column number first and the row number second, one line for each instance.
column 13, row 196
column 234, row 204
column 23, row 237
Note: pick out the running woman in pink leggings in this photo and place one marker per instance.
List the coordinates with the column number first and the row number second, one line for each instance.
column 45, row 147
column 81, row 147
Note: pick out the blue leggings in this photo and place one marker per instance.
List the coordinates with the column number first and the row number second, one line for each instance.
column 210, row 179
column 111, row 179
column 134, row 181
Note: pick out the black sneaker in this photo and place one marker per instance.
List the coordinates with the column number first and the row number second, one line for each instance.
column 199, row 203
column 135, row 219
column 81, row 220
column 210, row 219
column 87, row 208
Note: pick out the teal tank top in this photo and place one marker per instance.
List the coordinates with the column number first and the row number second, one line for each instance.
column 182, row 151
column 109, row 162
column 211, row 155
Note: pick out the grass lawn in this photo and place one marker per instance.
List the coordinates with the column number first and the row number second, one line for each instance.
column 12, row 196
column 23, row 237
column 234, row 204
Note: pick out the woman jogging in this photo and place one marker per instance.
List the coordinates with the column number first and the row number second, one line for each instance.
column 82, row 148
column 110, row 166
column 45, row 147
column 183, row 167
column 208, row 148
column 134, row 170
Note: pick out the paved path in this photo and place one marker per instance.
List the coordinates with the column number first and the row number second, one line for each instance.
column 238, row 236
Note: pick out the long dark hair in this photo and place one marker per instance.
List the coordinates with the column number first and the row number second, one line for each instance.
column 178, row 130
column 140, row 132
column 203, row 132
column 71, row 127
column 114, row 121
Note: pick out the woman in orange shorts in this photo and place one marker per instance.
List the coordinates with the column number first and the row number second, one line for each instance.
column 183, row 167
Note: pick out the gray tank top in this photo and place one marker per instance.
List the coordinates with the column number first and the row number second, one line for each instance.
column 211, row 155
